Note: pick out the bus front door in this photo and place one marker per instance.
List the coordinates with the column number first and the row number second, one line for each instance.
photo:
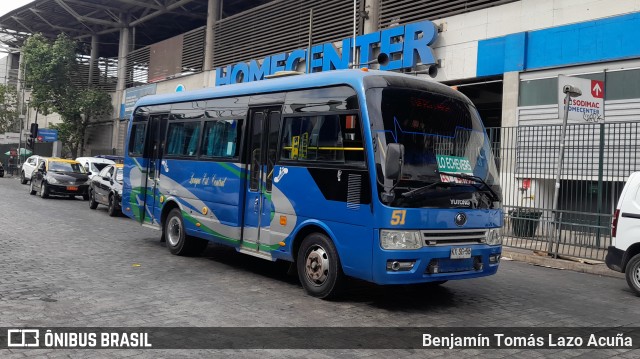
column 264, row 128
column 157, row 124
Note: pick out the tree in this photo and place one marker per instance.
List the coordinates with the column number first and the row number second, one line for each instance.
column 8, row 109
column 50, row 71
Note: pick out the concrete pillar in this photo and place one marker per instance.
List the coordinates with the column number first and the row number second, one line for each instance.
column 123, row 52
column 511, row 185
column 93, row 65
column 213, row 14
column 372, row 7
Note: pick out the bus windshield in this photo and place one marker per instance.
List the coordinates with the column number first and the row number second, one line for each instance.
column 444, row 142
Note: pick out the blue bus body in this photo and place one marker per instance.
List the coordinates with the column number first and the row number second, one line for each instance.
column 261, row 166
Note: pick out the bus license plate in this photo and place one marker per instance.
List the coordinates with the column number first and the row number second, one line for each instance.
column 72, row 188
column 460, row 253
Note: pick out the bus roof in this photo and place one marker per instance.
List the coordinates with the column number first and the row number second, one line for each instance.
column 354, row 78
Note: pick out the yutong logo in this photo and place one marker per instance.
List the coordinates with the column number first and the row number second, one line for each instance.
column 460, row 219
column 461, row 202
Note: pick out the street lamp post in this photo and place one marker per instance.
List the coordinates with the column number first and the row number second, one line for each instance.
column 569, row 91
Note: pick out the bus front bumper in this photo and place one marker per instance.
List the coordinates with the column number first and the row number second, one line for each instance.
column 431, row 264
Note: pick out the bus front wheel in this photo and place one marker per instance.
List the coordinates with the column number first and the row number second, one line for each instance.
column 319, row 268
column 176, row 237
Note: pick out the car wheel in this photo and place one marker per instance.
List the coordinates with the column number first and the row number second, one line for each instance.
column 23, row 179
column 632, row 273
column 92, row 200
column 177, row 240
column 112, row 210
column 44, row 190
column 319, row 268
column 31, row 190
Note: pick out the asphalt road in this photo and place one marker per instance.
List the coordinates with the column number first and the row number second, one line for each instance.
column 63, row 264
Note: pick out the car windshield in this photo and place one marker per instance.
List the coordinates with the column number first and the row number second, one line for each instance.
column 440, row 134
column 56, row 166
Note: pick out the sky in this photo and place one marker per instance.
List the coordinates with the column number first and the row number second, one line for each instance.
column 8, row 5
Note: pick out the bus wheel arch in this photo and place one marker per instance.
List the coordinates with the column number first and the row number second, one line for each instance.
column 318, row 263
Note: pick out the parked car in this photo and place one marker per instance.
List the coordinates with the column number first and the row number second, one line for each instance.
column 106, row 189
column 58, row 176
column 624, row 253
column 93, row 165
column 1, row 170
column 26, row 172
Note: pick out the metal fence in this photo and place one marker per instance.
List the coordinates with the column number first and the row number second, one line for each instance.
column 597, row 160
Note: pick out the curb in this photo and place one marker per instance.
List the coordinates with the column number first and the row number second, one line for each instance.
column 597, row 268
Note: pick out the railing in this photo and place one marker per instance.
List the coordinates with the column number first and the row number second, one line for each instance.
column 598, row 159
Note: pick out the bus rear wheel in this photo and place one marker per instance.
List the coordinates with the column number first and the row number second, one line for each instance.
column 176, row 237
column 319, row 268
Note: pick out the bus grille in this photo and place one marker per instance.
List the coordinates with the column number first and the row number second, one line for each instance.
column 456, row 236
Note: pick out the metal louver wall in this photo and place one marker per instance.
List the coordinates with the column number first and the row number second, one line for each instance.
column 193, row 50
column 138, row 67
column 406, row 11
column 280, row 26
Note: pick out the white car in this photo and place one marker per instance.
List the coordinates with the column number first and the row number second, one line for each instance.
column 28, row 167
column 624, row 253
column 93, row 165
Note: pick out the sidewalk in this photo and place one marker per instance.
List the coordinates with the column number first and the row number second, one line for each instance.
column 572, row 264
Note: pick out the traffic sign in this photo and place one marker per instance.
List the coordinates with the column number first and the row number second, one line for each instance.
column 586, row 108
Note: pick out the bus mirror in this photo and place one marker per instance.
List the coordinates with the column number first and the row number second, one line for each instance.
column 394, row 160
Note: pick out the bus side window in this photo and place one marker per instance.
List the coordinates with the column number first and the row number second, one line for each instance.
column 220, row 139
column 136, row 140
column 323, row 138
column 182, row 139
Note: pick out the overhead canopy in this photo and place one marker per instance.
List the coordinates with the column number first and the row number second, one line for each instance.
column 151, row 20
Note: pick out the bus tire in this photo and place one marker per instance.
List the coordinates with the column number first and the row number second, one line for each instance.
column 319, row 268
column 632, row 273
column 176, row 237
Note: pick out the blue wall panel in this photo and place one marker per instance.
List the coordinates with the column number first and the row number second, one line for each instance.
column 592, row 41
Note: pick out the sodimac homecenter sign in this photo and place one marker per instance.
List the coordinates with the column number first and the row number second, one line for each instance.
column 406, row 46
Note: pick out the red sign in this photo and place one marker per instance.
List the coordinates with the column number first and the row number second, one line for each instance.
column 39, row 138
column 526, row 183
column 597, row 89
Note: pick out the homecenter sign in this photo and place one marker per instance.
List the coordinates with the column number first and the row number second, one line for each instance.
column 406, row 46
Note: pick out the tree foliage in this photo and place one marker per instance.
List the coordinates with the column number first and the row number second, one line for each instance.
column 8, row 109
column 50, row 69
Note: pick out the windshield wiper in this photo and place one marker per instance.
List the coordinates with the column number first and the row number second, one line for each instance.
column 422, row 190
column 494, row 195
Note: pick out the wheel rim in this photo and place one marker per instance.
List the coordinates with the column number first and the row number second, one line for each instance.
column 636, row 275
column 42, row 188
column 317, row 265
column 174, row 230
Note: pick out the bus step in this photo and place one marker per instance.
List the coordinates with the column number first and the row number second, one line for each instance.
column 252, row 252
column 152, row 226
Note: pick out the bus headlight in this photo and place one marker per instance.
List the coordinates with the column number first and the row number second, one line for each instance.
column 493, row 237
column 400, row 239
